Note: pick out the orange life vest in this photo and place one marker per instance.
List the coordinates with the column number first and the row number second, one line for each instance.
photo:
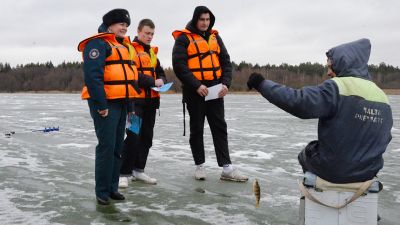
column 146, row 63
column 203, row 59
column 120, row 73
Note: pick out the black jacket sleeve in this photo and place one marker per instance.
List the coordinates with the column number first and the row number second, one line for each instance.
column 145, row 81
column 225, row 62
column 160, row 74
column 179, row 63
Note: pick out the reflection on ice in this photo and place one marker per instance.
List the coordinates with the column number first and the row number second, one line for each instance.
column 73, row 145
column 17, row 213
column 252, row 154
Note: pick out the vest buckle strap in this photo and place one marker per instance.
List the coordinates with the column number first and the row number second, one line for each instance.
column 112, row 62
column 205, row 69
column 146, row 68
column 202, row 55
column 133, row 83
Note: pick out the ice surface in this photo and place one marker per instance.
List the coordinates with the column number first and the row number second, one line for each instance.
column 48, row 178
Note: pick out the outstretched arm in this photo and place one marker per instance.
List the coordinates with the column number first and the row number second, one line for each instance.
column 306, row 103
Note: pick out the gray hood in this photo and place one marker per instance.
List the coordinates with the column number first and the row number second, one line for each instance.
column 351, row 59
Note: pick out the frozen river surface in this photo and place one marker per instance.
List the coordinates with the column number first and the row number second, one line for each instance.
column 48, row 178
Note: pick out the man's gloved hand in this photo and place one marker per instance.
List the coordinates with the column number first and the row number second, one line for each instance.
column 255, row 80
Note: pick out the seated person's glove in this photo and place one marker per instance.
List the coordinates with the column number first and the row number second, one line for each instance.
column 255, row 80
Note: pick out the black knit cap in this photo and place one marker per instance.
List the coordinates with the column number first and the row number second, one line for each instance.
column 117, row 16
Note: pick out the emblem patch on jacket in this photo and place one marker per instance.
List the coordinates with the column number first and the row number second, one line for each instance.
column 94, row 53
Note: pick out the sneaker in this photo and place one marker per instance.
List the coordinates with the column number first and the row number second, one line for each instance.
column 123, row 182
column 200, row 173
column 144, row 178
column 234, row 175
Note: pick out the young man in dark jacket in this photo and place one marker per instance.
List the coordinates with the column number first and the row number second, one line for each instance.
column 139, row 141
column 355, row 118
column 200, row 60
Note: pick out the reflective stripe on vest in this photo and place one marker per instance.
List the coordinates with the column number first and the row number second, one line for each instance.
column 120, row 74
column 203, row 60
column 146, row 63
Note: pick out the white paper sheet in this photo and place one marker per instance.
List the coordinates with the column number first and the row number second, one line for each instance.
column 213, row 92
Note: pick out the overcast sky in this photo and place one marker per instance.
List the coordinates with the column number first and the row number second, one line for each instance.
column 258, row 31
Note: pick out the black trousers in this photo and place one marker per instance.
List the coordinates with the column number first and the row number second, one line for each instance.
column 214, row 111
column 137, row 146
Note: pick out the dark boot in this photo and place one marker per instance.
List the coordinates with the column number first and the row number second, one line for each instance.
column 117, row 196
column 103, row 201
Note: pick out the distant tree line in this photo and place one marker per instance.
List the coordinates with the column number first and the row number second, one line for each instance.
column 68, row 76
column 41, row 77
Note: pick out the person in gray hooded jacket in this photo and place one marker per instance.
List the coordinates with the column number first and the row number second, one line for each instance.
column 355, row 118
